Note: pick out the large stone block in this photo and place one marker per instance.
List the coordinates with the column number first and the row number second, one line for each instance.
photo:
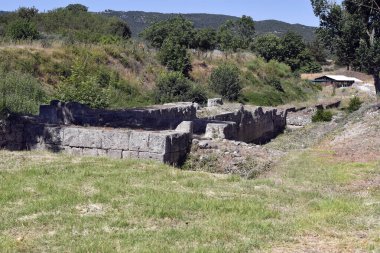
column 159, row 143
column 176, row 158
column 130, row 154
column 139, row 141
column 49, row 114
column 151, row 156
column 226, row 130
column 115, row 139
column 53, row 135
column 117, row 154
column 185, row 127
column 90, row 152
column 82, row 137
column 179, row 142
column 74, row 151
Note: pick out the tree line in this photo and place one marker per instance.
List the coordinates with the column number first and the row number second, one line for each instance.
column 72, row 22
column 174, row 36
column 351, row 30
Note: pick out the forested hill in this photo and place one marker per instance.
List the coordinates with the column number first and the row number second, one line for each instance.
column 139, row 20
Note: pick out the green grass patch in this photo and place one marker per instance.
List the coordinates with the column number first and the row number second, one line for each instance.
column 53, row 202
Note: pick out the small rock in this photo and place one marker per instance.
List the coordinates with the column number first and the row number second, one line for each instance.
column 195, row 142
column 214, row 102
column 204, row 145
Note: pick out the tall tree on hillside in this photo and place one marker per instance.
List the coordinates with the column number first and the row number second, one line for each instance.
column 120, row 28
column 357, row 29
column 268, row 46
column 77, row 8
column 292, row 47
column 27, row 13
column 205, row 39
column 246, row 30
column 318, row 51
column 177, row 28
column 175, row 57
column 22, row 26
column 237, row 34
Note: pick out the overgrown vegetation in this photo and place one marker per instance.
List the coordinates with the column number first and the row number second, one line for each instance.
column 354, row 105
column 20, row 93
column 175, row 87
column 225, row 80
column 322, row 116
column 73, row 22
column 273, row 83
column 81, row 87
column 290, row 50
column 174, row 57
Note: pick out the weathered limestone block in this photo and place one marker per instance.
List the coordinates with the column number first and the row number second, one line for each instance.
column 49, row 114
column 82, row 137
column 90, row 152
column 176, row 158
column 185, row 127
column 33, row 133
column 75, row 151
column 130, row 154
column 221, row 130
column 53, row 135
column 214, row 102
column 115, row 139
column 102, row 152
column 139, row 141
column 157, row 117
column 159, row 143
column 179, row 142
column 151, row 156
column 117, row 154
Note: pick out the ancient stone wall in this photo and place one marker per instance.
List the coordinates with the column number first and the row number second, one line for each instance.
column 257, row 126
column 145, row 133
column 169, row 147
column 162, row 117
column 12, row 133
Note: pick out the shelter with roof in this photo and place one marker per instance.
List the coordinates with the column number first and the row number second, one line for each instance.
column 337, row 80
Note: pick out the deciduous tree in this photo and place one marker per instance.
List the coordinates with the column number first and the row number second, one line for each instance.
column 352, row 30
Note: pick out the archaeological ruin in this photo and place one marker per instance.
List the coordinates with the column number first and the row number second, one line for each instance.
column 163, row 133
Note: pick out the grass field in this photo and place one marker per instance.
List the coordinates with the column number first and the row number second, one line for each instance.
column 57, row 203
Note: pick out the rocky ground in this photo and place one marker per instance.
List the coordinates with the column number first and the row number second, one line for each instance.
column 357, row 138
column 351, row 137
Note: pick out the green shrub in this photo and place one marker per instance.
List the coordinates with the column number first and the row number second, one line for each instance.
column 355, row 104
column 322, row 116
column 275, row 83
column 20, row 93
column 83, row 88
column 85, row 92
column 175, row 57
column 175, row 87
column 197, row 95
column 225, row 80
column 21, row 30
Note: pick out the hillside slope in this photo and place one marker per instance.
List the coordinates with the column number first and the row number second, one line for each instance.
column 129, row 72
column 139, row 20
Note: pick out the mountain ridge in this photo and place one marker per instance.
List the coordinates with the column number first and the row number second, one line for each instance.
column 139, row 20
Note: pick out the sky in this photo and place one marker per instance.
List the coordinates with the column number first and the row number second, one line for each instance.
column 291, row 11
